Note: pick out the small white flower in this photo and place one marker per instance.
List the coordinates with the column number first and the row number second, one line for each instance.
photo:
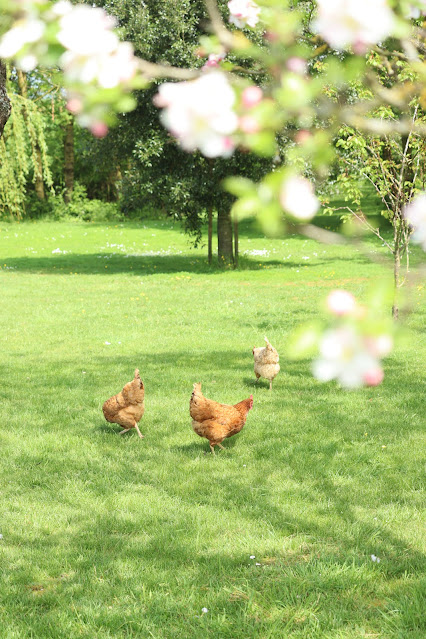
column 375, row 559
column 26, row 31
column 200, row 113
column 359, row 23
column 1, row 536
column 243, row 13
column 257, row 564
column 341, row 302
column 204, row 610
column 415, row 214
column 252, row 557
column 345, row 357
column 87, row 31
column 108, row 343
column 297, row 198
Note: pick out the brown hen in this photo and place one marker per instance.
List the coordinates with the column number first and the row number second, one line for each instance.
column 127, row 408
column 216, row 421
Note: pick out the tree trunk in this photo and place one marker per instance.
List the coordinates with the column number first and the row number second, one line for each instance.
column 112, row 189
column 236, row 251
column 38, row 167
column 69, row 160
column 38, row 170
column 5, row 107
column 210, row 235
column 224, row 238
column 396, row 269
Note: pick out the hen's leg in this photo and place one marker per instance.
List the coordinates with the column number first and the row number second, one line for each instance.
column 270, row 384
column 126, row 430
column 211, row 448
column 257, row 377
column 138, row 431
column 222, row 447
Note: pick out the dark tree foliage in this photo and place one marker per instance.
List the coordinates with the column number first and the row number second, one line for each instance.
column 155, row 172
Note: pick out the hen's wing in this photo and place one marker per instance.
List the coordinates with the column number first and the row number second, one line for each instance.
column 202, row 409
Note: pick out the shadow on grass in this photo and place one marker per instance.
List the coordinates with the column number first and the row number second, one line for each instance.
column 157, row 536
column 97, row 264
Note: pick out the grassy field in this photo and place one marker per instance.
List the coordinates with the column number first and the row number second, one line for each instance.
column 107, row 536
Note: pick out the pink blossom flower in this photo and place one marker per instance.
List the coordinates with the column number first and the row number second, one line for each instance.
column 74, row 105
column 415, row 214
column 344, row 357
column 297, row 198
column 214, row 59
column 249, row 124
column 302, row 136
column 374, row 376
column 99, row 130
column 297, row 65
column 200, row 113
column 341, row 303
column 359, row 23
column 251, row 97
column 243, row 13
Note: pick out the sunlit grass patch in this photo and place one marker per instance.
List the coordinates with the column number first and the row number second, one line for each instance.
column 108, row 536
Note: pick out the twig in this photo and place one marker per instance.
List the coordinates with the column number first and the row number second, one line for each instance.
column 151, row 70
column 225, row 36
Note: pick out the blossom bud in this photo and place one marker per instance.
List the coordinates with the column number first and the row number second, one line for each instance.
column 251, row 96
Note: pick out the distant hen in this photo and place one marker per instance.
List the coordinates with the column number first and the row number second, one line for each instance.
column 127, row 408
column 266, row 360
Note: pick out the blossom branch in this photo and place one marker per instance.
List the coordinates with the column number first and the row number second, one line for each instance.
column 226, row 37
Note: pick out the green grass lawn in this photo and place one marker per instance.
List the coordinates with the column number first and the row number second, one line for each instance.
column 108, row 536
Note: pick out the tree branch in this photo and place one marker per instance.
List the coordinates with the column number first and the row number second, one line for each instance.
column 151, row 71
column 5, row 106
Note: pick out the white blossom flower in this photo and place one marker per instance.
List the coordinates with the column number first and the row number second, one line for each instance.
column 27, row 31
column 379, row 346
column 354, row 22
column 87, row 31
column 415, row 11
column 415, row 214
column 297, row 198
column 243, row 13
column 344, row 356
column 341, row 302
column 109, row 70
column 200, row 113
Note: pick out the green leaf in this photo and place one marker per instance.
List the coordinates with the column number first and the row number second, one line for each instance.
column 239, row 186
column 303, row 341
